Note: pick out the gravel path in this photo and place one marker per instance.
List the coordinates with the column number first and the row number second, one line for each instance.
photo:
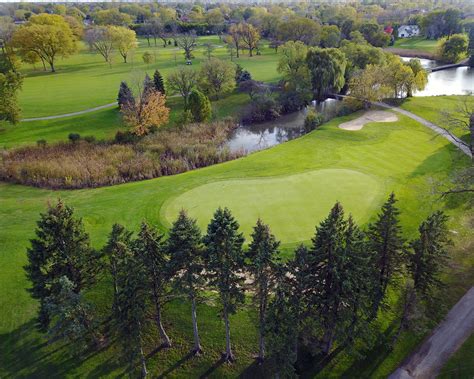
column 71, row 114
column 430, row 357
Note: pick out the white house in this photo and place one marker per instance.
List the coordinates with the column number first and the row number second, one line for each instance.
column 407, row 31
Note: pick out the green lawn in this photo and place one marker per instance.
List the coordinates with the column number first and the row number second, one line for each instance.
column 416, row 43
column 359, row 168
column 102, row 124
column 85, row 81
column 432, row 108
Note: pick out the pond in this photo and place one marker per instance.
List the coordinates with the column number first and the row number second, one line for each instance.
column 260, row 136
column 253, row 137
column 453, row 81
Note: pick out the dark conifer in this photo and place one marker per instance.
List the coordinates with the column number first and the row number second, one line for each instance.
column 224, row 262
column 150, row 251
column 148, row 86
column 262, row 254
column 185, row 249
column 386, row 244
column 159, row 82
column 61, row 248
column 125, row 95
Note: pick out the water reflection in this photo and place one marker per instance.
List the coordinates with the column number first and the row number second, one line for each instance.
column 454, row 81
column 263, row 135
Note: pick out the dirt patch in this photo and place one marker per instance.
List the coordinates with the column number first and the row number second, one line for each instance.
column 370, row 116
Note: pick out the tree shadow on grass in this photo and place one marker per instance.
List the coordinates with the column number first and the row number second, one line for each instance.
column 213, row 368
column 26, row 353
column 177, row 365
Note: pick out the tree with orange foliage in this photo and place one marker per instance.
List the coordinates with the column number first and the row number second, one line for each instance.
column 146, row 111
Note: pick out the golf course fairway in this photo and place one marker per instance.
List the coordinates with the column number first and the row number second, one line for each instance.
column 292, row 204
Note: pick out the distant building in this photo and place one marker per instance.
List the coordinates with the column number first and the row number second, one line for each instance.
column 407, row 31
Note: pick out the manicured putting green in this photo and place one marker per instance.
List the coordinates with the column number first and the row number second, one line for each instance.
column 292, row 205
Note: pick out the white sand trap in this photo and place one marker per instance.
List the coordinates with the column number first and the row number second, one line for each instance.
column 369, row 116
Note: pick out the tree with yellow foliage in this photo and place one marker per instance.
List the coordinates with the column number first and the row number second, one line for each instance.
column 146, row 111
column 124, row 40
column 47, row 35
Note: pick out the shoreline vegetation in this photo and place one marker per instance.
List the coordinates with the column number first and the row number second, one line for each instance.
column 410, row 53
column 85, row 163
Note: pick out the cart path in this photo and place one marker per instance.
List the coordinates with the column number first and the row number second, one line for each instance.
column 428, row 359
column 71, row 114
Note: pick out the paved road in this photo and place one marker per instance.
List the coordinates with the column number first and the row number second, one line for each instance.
column 453, row 139
column 70, row 114
column 430, row 357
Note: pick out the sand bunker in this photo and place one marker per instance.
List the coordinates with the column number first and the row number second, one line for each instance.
column 370, row 116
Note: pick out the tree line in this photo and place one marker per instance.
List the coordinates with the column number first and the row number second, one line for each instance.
column 323, row 299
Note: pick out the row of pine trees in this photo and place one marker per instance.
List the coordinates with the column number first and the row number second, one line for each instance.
column 325, row 298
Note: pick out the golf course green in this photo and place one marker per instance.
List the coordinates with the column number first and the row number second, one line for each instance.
column 292, row 204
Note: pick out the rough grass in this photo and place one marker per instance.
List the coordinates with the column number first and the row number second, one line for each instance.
column 433, row 108
column 400, row 156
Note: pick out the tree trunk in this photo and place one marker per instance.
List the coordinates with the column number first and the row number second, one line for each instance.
column 124, row 58
column 197, row 344
column 228, row 356
column 51, row 64
column 262, row 313
column 144, row 372
column 471, row 130
column 164, row 337
column 237, row 52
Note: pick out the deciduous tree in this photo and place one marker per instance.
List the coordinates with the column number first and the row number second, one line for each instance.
column 327, row 68
column 47, row 35
column 124, row 40
column 187, row 42
column 250, row 37
column 217, row 77
column 183, row 80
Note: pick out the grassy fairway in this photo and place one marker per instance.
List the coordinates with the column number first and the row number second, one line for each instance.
column 323, row 166
column 291, row 203
column 430, row 108
column 416, row 43
column 85, row 81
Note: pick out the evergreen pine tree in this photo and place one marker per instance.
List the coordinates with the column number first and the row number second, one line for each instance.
column 282, row 327
column 129, row 313
column 224, row 262
column 326, row 270
column 262, row 254
column 186, row 258
column 72, row 316
column 61, row 248
column 116, row 248
column 386, row 244
column 159, row 82
column 125, row 95
column 150, row 251
column 200, row 106
column 426, row 257
column 148, row 86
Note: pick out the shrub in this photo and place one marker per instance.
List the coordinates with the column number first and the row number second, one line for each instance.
column 453, row 49
column 292, row 101
column 313, row 120
column 199, row 106
column 263, row 108
column 241, row 75
column 41, row 142
column 89, row 139
column 74, row 137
